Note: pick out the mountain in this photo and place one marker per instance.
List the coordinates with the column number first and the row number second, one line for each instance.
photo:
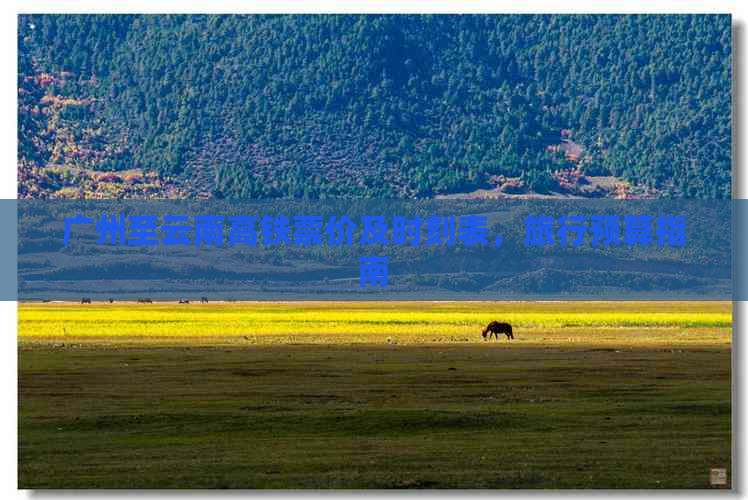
column 403, row 106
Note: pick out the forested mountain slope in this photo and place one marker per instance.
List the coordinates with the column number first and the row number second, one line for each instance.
column 372, row 106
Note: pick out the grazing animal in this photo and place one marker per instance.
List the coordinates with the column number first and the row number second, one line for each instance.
column 203, row 300
column 184, row 301
column 111, row 301
column 85, row 300
column 495, row 328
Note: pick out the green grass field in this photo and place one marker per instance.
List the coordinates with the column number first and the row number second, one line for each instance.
column 374, row 395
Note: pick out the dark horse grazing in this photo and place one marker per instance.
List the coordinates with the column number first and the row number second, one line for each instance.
column 495, row 328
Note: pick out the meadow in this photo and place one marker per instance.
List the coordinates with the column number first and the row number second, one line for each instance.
column 374, row 322
column 374, row 395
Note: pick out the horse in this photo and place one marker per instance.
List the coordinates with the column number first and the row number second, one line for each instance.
column 85, row 300
column 495, row 328
column 184, row 301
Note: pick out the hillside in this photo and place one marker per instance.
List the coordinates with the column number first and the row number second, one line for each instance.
column 374, row 106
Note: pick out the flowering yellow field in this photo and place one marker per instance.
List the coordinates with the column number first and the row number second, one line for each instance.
column 375, row 322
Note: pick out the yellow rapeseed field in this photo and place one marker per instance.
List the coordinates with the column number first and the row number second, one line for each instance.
column 376, row 322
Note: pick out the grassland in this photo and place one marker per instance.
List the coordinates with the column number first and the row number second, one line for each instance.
column 373, row 395
column 375, row 322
